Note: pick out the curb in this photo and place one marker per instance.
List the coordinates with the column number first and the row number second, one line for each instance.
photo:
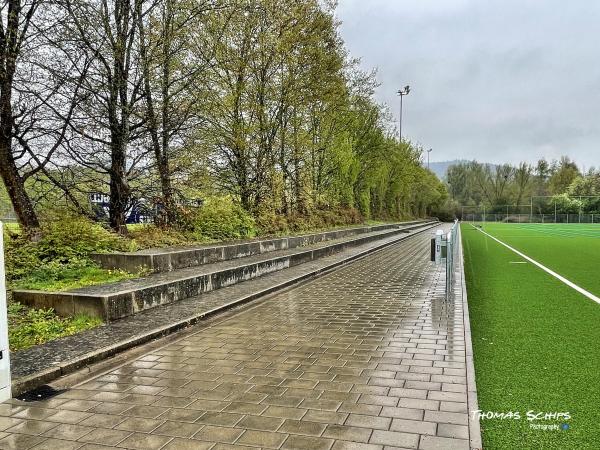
column 29, row 382
column 474, row 426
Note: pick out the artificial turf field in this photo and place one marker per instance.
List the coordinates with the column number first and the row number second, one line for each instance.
column 536, row 341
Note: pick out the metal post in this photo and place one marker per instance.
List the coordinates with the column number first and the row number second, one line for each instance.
column 5, row 388
column 438, row 246
column 531, row 211
column 400, row 126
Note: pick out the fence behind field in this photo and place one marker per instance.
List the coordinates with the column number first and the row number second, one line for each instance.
column 532, row 218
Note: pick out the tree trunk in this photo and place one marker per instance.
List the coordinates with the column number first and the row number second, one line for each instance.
column 160, row 146
column 119, row 187
column 15, row 185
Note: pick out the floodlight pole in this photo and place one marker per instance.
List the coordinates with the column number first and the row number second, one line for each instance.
column 428, row 152
column 402, row 93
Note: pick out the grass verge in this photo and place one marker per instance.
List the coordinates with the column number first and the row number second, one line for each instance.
column 28, row 327
column 71, row 278
column 536, row 348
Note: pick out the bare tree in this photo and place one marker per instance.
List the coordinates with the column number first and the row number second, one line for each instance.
column 15, row 26
column 101, row 38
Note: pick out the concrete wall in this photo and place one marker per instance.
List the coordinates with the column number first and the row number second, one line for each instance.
column 164, row 261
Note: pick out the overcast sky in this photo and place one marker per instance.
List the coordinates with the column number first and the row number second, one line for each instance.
column 494, row 80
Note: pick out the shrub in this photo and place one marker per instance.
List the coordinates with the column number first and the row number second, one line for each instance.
column 221, row 218
column 66, row 241
column 75, row 236
column 151, row 236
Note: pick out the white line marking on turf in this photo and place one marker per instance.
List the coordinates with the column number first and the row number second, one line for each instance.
column 517, row 262
column 545, row 269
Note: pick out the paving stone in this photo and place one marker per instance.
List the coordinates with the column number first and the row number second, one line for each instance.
column 105, row 436
column 68, row 431
column 8, row 422
column 265, row 439
column 453, row 431
column 66, row 416
column 145, row 441
column 442, row 443
column 414, row 426
column 34, row 427
column 403, row 413
column 19, row 442
column 307, row 443
column 447, row 396
column 219, row 434
column 394, row 438
column 301, row 427
column 325, row 417
column 34, row 413
column 419, row 403
column 177, row 429
column 187, row 444
column 261, row 423
column 57, row 444
column 446, row 417
column 347, row 433
column 358, row 420
column 453, row 407
column 139, row 424
column 347, row 445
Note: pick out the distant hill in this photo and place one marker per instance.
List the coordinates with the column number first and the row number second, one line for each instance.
column 440, row 167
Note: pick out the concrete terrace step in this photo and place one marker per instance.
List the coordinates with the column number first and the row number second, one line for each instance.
column 121, row 299
column 165, row 260
column 44, row 363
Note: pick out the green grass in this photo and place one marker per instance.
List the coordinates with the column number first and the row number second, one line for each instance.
column 28, row 327
column 64, row 277
column 536, row 341
column 572, row 250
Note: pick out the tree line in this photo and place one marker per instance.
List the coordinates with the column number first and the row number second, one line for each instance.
column 546, row 187
column 162, row 99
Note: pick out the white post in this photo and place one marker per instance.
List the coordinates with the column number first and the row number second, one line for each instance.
column 5, row 392
column 438, row 246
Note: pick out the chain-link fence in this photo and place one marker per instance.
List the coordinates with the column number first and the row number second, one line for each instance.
column 531, row 218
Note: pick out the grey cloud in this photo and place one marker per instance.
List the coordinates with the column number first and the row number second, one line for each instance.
column 496, row 80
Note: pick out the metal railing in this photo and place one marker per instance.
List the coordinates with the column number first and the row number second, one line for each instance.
column 445, row 251
column 451, row 258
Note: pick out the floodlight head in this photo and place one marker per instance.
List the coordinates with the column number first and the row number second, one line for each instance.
column 404, row 91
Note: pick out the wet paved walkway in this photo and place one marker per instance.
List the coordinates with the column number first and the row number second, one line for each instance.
column 369, row 356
